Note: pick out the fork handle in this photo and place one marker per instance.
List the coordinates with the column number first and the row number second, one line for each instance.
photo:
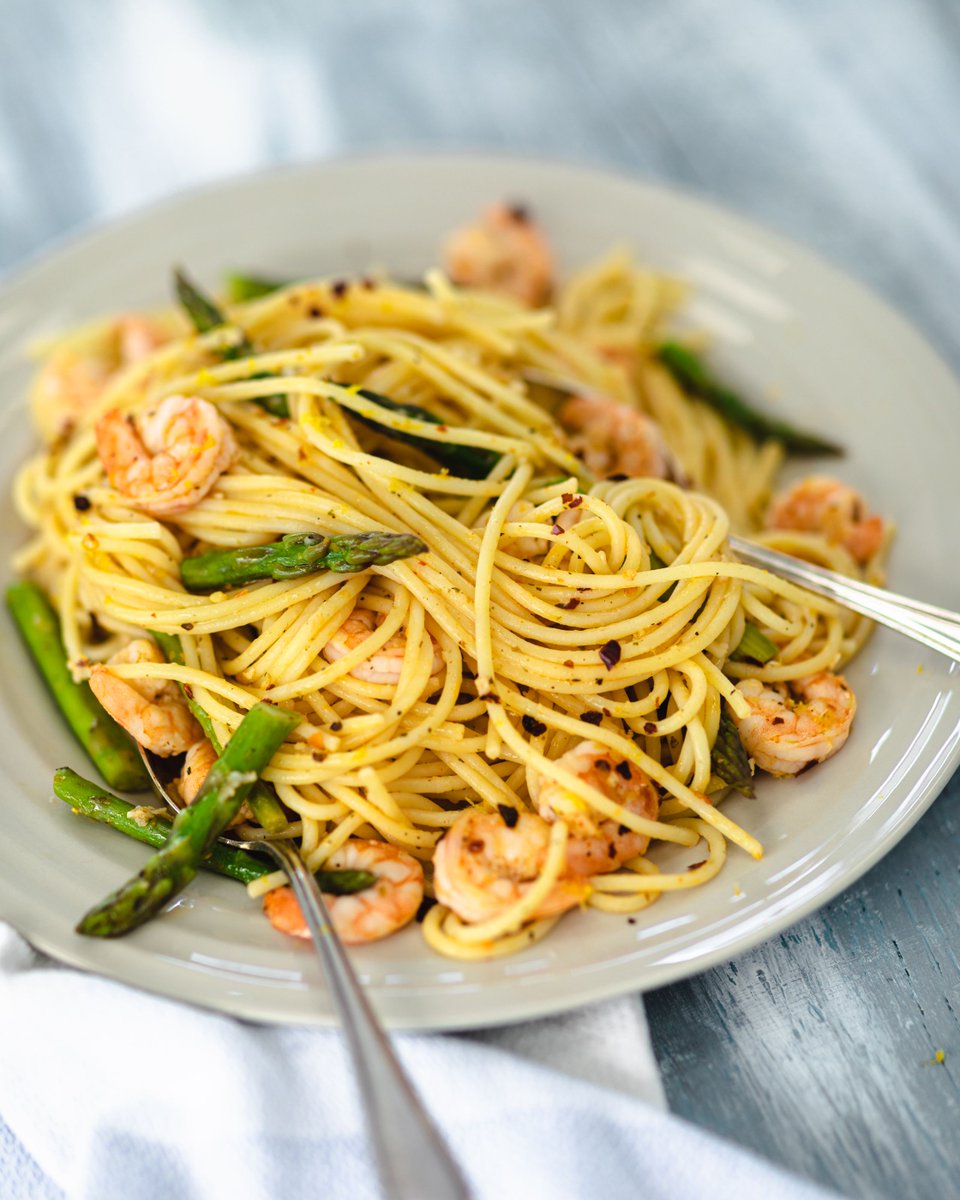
column 412, row 1159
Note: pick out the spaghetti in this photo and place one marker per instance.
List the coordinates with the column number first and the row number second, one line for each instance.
column 553, row 609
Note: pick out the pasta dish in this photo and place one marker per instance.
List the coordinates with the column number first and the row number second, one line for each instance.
column 470, row 536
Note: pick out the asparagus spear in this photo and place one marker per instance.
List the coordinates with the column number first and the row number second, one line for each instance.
column 468, row 462
column 264, row 804
column 242, row 288
column 110, row 749
column 754, row 646
column 296, row 554
column 728, row 759
column 206, row 316
column 694, row 378
column 92, row 801
column 196, row 828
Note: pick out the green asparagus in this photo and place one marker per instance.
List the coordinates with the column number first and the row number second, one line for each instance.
column 111, row 750
column 729, row 760
column 92, row 801
column 241, row 288
column 296, row 554
column 695, row 379
column 266, row 808
column 754, row 646
column 206, row 316
column 467, row 462
column 196, row 829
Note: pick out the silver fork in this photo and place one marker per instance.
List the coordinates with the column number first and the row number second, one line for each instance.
column 411, row 1157
column 938, row 628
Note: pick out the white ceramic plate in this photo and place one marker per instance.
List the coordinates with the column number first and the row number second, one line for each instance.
column 807, row 340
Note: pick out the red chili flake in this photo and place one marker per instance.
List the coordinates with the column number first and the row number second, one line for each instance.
column 693, row 866
column 623, row 770
column 567, row 497
column 534, row 727
column 649, row 727
column 339, row 288
column 556, row 530
column 509, row 814
column 368, row 284
column 188, row 691
column 568, row 663
column 591, row 718
column 81, row 503
column 573, row 602
column 610, row 654
column 573, row 502
column 441, row 429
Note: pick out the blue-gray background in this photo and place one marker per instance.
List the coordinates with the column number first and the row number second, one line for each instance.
column 833, row 121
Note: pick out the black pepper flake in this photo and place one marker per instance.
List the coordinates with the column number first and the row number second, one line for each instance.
column 336, row 726
column 610, row 654
column 339, row 288
column 475, row 846
column 81, row 503
column 368, row 284
column 777, row 721
column 519, row 212
column 187, row 690
column 317, row 756
column 568, row 663
column 315, row 311
column 617, row 478
column 623, row 770
column 631, row 920
column 187, row 626
column 490, row 697
column 601, row 765
column 425, row 905
column 534, row 727
column 591, row 718
column 573, row 602
column 701, row 863
column 509, row 814
column 623, row 829
column 612, row 850
column 649, row 727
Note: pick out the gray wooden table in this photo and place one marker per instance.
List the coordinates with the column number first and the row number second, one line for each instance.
column 833, row 121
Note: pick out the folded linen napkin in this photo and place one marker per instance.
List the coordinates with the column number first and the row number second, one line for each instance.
column 114, row 1093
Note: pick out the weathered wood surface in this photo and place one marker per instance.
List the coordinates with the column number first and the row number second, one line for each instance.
column 819, row 1048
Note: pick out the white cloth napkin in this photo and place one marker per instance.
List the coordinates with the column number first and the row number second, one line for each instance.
column 120, row 1095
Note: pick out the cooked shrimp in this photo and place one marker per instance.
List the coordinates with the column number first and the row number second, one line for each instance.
column 71, row 382
column 614, row 439
column 374, row 913
column 819, row 504
column 196, row 765
column 182, row 448
column 152, row 711
column 791, row 728
column 612, row 844
column 385, row 665
column 502, row 252
column 483, row 866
